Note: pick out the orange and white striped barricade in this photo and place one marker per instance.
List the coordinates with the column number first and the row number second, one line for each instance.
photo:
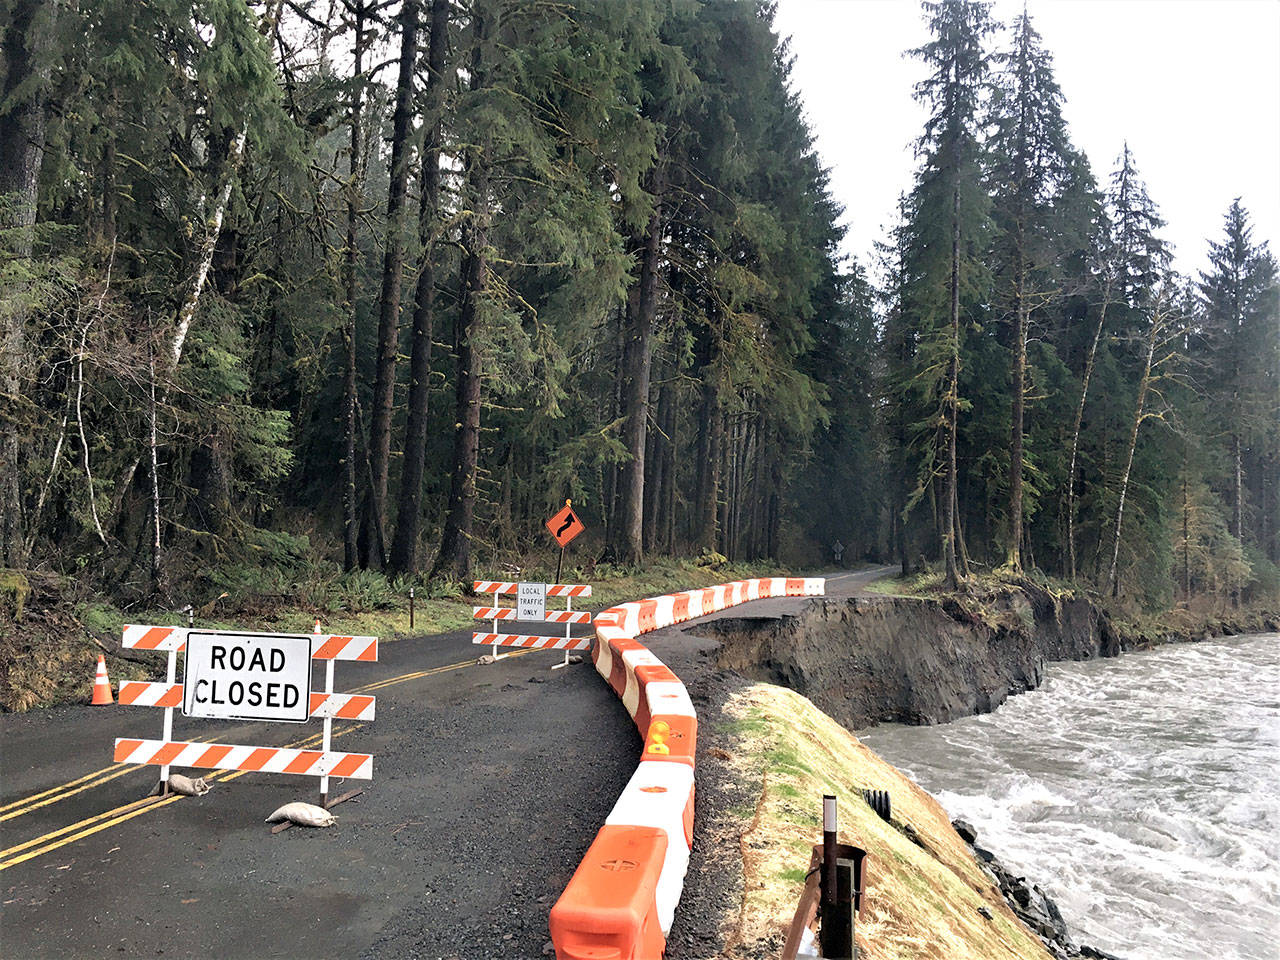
column 536, row 611
column 326, row 704
column 622, row 899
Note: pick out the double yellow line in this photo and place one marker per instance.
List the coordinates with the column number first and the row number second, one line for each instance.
column 15, row 855
column 91, row 825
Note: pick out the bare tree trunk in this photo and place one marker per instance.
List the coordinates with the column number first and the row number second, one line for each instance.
column 84, row 442
column 710, row 441
column 384, row 382
column 454, row 558
column 1075, row 430
column 351, row 255
column 404, row 547
column 208, row 243
column 667, row 498
column 628, row 539
column 22, row 140
column 658, row 466
column 1186, row 540
column 614, row 472
column 1158, row 320
column 157, row 565
column 1014, row 560
column 953, row 392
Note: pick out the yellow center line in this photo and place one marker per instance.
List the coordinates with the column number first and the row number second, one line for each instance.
column 68, row 793
column 67, row 829
column 45, row 793
column 97, row 823
column 27, row 805
column 380, row 684
column 155, row 804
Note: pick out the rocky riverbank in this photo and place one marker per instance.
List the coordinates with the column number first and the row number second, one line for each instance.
column 1029, row 903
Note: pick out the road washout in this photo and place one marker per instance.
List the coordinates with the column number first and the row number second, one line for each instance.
column 906, row 660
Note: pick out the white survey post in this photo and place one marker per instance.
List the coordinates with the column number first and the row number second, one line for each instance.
column 247, row 677
column 531, row 601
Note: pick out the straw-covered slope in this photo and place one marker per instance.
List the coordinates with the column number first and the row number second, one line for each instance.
column 924, row 897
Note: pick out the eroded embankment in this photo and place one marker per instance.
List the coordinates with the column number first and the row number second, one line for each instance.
column 869, row 660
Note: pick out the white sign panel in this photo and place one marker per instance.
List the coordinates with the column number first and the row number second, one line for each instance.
column 247, row 676
column 531, row 601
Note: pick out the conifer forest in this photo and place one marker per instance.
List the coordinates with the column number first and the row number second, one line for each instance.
column 375, row 285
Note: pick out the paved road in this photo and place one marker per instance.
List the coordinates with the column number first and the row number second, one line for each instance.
column 489, row 784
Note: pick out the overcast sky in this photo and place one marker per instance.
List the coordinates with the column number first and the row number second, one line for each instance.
column 1193, row 85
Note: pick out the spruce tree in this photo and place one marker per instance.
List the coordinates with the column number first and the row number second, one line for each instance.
column 950, row 220
column 1031, row 173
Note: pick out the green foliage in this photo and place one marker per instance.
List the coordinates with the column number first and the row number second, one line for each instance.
column 793, row 402
column 14, row 590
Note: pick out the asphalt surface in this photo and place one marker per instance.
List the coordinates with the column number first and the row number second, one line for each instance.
column 490, row 781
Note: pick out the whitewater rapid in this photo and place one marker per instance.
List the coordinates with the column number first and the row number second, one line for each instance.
column 1142, row 793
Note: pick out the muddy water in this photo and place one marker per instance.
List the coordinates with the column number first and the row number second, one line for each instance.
column 1142, row 793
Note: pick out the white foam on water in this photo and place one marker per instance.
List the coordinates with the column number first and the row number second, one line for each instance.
column 1143, row 794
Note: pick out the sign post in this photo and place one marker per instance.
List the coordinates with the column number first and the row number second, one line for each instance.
column 564, row 526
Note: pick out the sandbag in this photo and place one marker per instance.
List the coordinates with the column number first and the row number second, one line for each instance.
column 304, row 815
column 184, row 785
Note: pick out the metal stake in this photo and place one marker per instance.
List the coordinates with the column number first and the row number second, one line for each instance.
column 835, row 933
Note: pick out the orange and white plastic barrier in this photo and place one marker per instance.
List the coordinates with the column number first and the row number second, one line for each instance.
column 568, row 616
column 622, row 899
column 167, row 752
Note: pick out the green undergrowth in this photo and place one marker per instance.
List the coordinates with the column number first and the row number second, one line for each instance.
column 50, row 640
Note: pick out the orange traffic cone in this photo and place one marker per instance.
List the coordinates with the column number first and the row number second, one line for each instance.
column 101, row 685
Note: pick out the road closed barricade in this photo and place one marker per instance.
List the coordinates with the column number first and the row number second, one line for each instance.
column 622, row 899
column 531, row 606
column 233, row 675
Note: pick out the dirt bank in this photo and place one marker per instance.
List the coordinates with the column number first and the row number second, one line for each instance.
column 865, row 661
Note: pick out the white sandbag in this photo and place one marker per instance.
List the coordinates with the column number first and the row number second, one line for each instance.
column 183, row 785
column 304, row 815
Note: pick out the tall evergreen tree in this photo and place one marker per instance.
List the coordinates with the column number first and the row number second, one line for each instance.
column 384, row 385
column 1033, row 163
column 1240, row 327
column 950, row 219
column 404, row 548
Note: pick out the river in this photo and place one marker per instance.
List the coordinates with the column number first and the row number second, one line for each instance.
column 1142, row 793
